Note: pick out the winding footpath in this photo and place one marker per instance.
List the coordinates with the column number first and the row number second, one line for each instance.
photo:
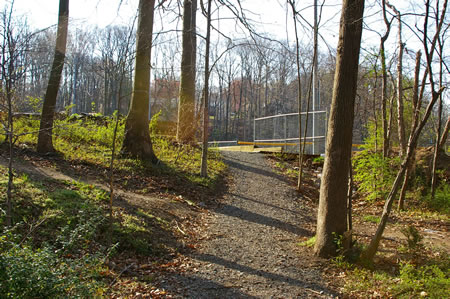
column 251, row 250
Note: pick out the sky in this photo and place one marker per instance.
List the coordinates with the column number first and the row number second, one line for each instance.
column 267, row 15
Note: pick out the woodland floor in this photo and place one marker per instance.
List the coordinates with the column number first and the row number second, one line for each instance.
column 241, row 242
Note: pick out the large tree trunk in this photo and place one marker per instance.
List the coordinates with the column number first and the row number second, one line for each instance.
column 186, row 108
column 332, row 215
column 44, row 143
column 137, row 142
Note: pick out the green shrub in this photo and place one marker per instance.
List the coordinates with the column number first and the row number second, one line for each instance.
column 428, row 281
column 372, row 219
column 319, row 160
column 441, row 201
column 374, row 173
column 49, row 272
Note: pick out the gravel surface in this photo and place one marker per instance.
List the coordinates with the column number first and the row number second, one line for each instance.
column 250, row 250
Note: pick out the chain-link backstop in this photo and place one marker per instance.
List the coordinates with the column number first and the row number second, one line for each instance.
column 283, row 130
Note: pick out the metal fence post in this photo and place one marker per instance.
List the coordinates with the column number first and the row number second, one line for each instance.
column 254, row 132
column 285, row 133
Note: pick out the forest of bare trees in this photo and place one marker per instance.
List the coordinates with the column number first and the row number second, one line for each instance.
column 251, row 78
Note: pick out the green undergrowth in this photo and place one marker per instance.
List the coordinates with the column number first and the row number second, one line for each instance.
column 283, row 164
column 413, row 271
column 61, row 239
column 89, row 141
column 430, row 280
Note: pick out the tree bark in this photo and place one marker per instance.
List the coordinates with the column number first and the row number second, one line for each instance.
column 415, row 100
column 400, row 121
column 45, row 143
column 444, row 134
column 186, row 108
column 439, row 126
column 137, row 142
column 332, row 215
column 204, row 164
column 299, row 97
column 384, row 83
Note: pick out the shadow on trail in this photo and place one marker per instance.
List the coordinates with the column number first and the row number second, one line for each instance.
column 262, row 203
column 209, row 288
column 268, row 275
column 245, row 215
column 235, row 163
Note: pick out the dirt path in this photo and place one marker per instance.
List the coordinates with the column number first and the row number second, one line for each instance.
column 250, row 250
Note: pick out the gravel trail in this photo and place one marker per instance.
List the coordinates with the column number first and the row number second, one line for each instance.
column 251, row 250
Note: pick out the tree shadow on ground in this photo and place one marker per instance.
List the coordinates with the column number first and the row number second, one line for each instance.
column 209, row 288
column 214, row 289
column 245, row 215
column 238, row 164
column 249, row 270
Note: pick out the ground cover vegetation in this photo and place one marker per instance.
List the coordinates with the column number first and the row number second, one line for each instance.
column 63, row 243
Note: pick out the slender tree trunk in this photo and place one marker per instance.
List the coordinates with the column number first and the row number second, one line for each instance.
column 332, row 214
column 45, row 143
column 137, row 142
column 186, row 108
column 415, row 100
column 204, row 165
column 438, row 131
column 350, row 197
column 299, row 97
column 444, row 134
column 400, row 121
column 384, row 82
column 10, row 136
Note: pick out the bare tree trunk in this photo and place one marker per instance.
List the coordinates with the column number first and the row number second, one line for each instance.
column 350, row 197
column 10, row 136
column 384, row 82
column 444, row 133
column 400, row 121
column 137, row 142
column 332, row 214
column 299, row 97
column 204, row 165
column 415, row 101
column 44, row 142
column 186, row 107
column 438, row 130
